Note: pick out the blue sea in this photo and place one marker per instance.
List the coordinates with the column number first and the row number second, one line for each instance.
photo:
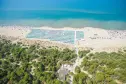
column 64, row 18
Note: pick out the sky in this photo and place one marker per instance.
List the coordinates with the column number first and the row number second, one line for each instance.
column 108, row 6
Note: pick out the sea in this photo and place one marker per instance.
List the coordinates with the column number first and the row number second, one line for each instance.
column 61, row 19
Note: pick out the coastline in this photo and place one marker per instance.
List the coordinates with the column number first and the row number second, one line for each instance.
column 95, row 39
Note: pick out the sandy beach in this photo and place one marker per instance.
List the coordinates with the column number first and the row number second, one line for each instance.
column 14, row 31
column 94, row 38
column 103, row 40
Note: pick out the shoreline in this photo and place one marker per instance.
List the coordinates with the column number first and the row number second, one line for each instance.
column 57, row 28
column 94, row 38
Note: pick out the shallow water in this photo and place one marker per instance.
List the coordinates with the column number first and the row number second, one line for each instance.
column 64, row 36
column 60, row 18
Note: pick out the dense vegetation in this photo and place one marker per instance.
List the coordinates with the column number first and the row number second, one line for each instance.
column 21, row 64
column 101, row 68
